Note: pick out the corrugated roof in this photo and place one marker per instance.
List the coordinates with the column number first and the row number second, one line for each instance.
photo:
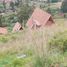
column 40, row 16
column 17, row 27
column 3, row 30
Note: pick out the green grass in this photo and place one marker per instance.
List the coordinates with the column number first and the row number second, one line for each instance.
column 13, row 61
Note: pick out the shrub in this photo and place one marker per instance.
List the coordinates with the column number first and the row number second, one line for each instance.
column 49, row 60
column 12, row 6
column 64, row 6
column 2, row 20
column 13, row 61
column 59, row 41
column 3, row 39
column 29, row 52
column 41, row 62
column 53, row 1
column 12, row 18
column 23, row 13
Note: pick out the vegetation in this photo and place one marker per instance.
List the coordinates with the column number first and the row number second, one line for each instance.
column 39, row 51
column 24, row 13
column 64, row 6
column 12, row 6
column 44, row 47
column 54, row 1
column 59, row 41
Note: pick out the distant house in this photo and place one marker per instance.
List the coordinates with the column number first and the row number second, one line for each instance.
column 40, row 18
column 3, row 30
column 17, row 27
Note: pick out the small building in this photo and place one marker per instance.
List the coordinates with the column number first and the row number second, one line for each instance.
column 3, row 30
column 40, row 18
column 17, row 27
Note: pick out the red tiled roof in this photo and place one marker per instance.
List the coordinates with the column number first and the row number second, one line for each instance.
column 3, row 30
column 40, row 16
column 17, row 27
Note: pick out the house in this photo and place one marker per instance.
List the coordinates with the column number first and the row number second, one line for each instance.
column 40, row 18
column 3, row 30
column 17, row 27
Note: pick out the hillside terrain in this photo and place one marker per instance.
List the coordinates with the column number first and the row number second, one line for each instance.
column 33, row 47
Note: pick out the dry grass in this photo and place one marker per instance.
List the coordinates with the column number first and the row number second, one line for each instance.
column 32, row 39
column 35, row 40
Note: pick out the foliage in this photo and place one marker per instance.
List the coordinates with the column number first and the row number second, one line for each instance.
column 20, row 62
column 59, row 41
column 18, row 47
column 0, row 20
column 49, row 61
column 9, row 20
column 64, row 6
column 53, row 1
column 13, row 61
column 1, row 7
column 12, row 18
column 12, row 6
column 6, row 38
column 28, row 52
column 17, row 3
column 4, row 5
column 24, row 13
column 41, row 62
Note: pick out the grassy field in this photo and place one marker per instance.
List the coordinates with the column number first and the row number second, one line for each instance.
column 31, row 48
column 34, row 44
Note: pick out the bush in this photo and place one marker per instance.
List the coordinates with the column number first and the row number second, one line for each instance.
column 59, row 41
column 53, row 1
column 3, row 39
column 48, row 61
column 12, row 18
column 6, row 38
column 28, row 52
column 52, row 11
column 1, row 8
column 13, row 61
column 9, row 20
column 64, row 6
column 23, row 13
column 41, row 62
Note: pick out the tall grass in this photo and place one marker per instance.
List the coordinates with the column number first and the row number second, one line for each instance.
column 33, row 43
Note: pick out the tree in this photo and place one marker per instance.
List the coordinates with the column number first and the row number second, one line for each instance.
column 64, row 6
column 53, row 1
column 12, row 6
column 4, row 4
column 0, row 20
column 24, row 13
column 49, row 3
column 17, row 3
